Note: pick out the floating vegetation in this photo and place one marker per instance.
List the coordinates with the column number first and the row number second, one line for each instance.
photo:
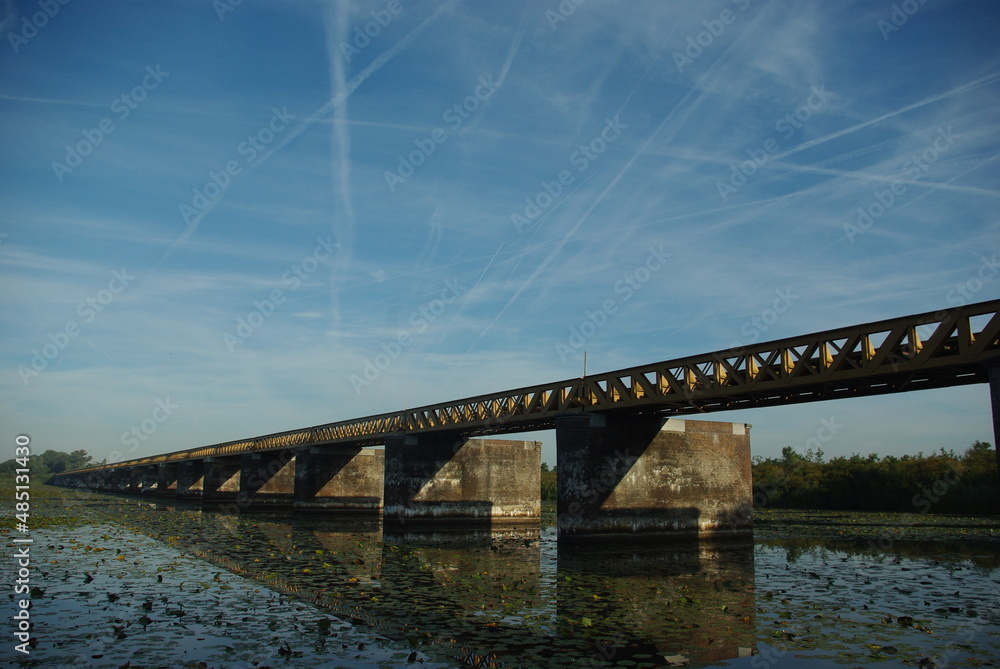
column 125, row 583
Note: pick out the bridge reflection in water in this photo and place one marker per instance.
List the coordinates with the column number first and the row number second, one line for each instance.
column 497, row 597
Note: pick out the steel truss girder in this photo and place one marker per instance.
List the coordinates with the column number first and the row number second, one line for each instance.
column 930, row 350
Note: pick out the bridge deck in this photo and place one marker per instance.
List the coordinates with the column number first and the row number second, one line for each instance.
column 931, row 350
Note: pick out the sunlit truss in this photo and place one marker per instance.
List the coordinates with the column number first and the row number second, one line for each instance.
column 933, row 350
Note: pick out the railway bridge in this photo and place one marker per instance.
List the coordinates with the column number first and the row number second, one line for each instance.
column 629, row 461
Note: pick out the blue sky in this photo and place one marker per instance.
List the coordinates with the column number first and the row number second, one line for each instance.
column 224, row 219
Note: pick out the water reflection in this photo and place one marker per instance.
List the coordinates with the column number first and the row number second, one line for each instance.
column 504, row 597
column 686, row 601
column 848, row 589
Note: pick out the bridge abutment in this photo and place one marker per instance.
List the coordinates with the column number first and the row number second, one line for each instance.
column 637, row 476
column 339, row 478
column 267, row 480
column 444, row 478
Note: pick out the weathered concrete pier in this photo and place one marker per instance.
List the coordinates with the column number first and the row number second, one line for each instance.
column 618, row 476
column 630, row 476
column 447, row 477
column 339, row 478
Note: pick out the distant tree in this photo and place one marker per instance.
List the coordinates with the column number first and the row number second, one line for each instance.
column 963, row 483
column 52, row 462
column 550, row 485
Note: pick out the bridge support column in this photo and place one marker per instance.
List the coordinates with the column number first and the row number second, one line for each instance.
column 117, row 480
column 341, row 478
column 993, row 369
column 149, row 479
column 95, row 480
column 166, row 479
column 190, row 478
column 221, row 483
column 133, row 484
column 267, row 481
column 443, row 478
column 638, row 475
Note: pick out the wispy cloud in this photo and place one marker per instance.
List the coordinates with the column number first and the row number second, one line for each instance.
column 534, row 149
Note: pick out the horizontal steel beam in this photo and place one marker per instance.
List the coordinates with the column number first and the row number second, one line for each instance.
column 933, row 350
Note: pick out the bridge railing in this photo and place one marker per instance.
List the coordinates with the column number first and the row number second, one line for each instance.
column 934, row 349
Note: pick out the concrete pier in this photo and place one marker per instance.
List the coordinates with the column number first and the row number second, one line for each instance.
column 221, row 483
column 267, row 481
column 133, row 480
column 637, row 476
column 339, row 478
column 149, row 479
column 166, row 483
column 118, row 480
column 437, row 478
column 96, row 480
column 993, row 370
column 190, row 479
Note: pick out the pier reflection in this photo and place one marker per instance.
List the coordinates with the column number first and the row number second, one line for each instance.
column 684, row 601
column 504, row 597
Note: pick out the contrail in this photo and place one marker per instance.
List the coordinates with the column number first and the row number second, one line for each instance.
column 322, row 112
column 916, row 105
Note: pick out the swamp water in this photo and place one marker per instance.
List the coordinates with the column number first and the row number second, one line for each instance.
column 127, row 582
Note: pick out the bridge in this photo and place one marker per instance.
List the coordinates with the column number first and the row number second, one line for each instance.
column 627, row 462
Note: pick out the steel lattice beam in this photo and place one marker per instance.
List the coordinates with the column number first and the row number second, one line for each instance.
column 931, row 350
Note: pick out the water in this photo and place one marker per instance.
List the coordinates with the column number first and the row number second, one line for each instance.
column 128, row 582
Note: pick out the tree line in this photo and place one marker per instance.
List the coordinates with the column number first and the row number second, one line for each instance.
column 942, row 482
column 51, row 462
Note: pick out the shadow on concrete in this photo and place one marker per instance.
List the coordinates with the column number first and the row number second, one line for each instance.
column 334, row 479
